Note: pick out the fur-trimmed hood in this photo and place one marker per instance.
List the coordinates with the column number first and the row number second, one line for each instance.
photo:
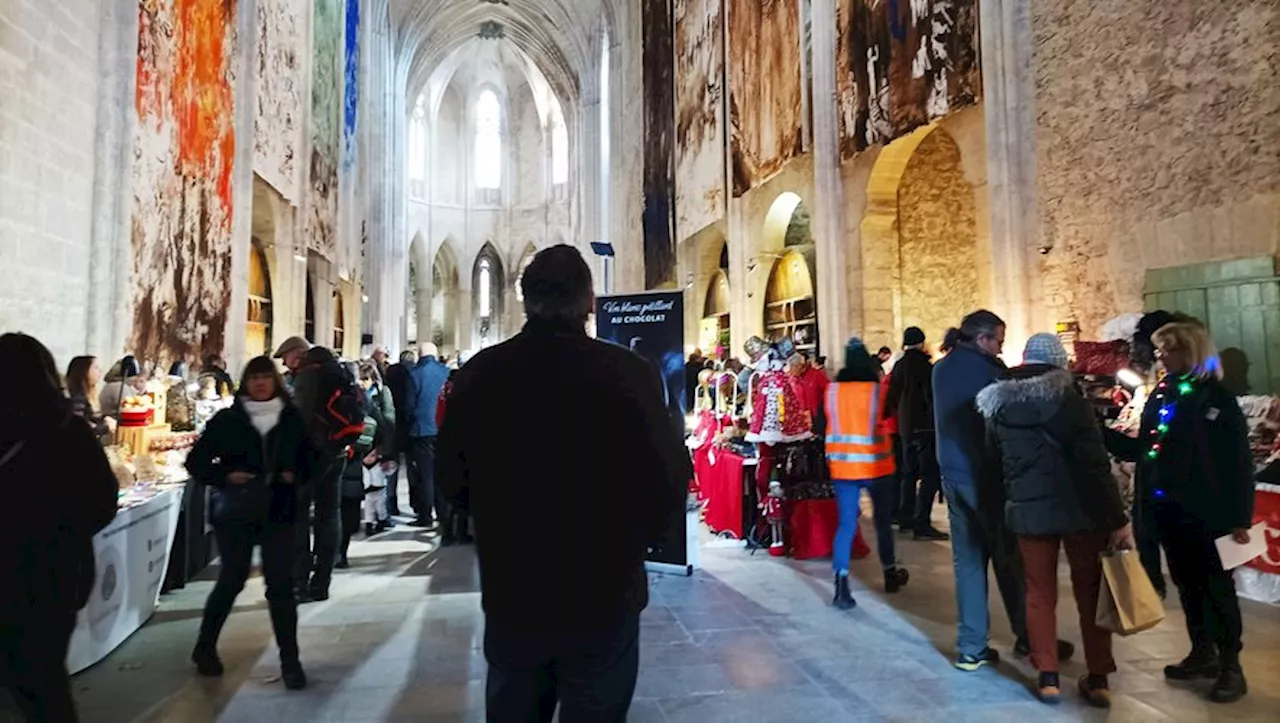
column 1027, row 395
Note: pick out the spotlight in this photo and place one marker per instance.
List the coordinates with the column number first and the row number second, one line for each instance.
column 1129, row 379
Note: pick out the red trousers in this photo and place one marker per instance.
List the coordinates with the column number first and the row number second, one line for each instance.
column 1040, row 559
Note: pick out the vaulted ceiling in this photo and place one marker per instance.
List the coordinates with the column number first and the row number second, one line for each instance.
column 558, row 36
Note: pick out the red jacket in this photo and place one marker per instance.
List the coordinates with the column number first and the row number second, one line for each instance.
column 442, row 402
column 890, row 424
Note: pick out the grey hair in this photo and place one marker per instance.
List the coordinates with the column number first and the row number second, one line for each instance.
column 980, row 323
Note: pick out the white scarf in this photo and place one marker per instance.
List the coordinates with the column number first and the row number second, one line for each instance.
column 264, row 416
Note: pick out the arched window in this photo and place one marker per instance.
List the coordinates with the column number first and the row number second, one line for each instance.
column 485, row 289
column 418, row 148
column 559, row 149
column 488, row 141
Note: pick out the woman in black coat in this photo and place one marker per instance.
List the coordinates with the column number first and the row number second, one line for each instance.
column 46, row 560
column 1059, row 493
column 1195, row 476
column 251, row 455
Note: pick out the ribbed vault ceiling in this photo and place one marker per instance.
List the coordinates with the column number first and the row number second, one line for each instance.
column 556, row 35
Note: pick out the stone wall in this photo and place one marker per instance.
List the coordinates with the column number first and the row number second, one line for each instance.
column 48, row 90
column 1158, row 144
column 937, row 238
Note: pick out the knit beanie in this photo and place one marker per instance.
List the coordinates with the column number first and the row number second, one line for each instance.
column 913, row 336
column 1046, row 349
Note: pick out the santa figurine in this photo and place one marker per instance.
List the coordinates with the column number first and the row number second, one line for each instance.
column 773, row 514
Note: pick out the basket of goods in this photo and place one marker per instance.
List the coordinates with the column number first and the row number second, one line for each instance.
column 137, row 411
column 1100, row 357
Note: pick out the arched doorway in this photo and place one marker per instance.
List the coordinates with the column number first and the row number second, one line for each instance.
column 339, row 324
column 258, row 324
column 790, row 301
column 920, row 239
column 444, row 300
column 714, row 330
column 309, row 325
column 790, row 306
column 487, row 283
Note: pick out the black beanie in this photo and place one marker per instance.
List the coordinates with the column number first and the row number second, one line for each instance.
column 913, row 336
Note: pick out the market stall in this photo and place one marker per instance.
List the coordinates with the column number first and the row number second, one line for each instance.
column 159, row 537
column 132, row 555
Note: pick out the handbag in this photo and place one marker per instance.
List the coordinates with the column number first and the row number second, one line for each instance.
column 1127, row 601
column 249, row 503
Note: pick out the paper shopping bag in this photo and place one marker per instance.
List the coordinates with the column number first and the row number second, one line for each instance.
column 1127, row 602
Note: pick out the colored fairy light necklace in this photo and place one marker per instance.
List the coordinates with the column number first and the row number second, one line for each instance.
column 1168, row 401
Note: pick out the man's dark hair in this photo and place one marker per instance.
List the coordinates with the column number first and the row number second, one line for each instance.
column 557, row 285
column 979, row 323
column 885, row 350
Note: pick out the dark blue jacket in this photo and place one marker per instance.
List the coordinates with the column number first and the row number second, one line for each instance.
column 429, row 377
column 961, row 430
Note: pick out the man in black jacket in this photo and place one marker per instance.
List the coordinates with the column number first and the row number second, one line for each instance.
column 403, row 392
column 910, row 397
column 560, row 448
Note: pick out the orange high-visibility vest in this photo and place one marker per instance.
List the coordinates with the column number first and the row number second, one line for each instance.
column 857, row 446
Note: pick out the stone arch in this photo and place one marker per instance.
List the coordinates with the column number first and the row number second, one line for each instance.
column 920, row 225
column 445, row 294
column 782, row 278
column 488, row 299
column 711, row 286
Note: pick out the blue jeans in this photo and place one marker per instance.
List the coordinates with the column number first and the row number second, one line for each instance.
column 848, row 493
column 979, row 538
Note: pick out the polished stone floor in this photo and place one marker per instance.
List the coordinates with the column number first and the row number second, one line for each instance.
column 747, row 638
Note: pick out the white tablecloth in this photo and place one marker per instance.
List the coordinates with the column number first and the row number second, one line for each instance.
column 132, row 554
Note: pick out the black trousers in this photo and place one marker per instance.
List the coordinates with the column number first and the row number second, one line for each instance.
column 33, row 666
column 920, row 462
column 235, row 546
column 351, row 518
column 590, row 675
column 1207, row 591
column 423, row 450
column 313, row 564
column 1146, row 535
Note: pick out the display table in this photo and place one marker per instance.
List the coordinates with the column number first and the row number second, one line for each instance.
column 721, row 484
column 1260, row 579
column 131, row 556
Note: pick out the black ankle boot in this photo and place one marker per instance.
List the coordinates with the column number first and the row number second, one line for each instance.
column 895, row 578
column 1230, row 685
column 293, row 676
column 369, row 529
column 843, row 597
column 1201, row 664
column 207, row 661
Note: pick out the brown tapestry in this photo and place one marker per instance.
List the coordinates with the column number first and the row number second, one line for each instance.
column 700, row 186
column 765, row 95
column 903, row 64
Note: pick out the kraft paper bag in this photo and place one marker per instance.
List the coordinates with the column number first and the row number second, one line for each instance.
column 1127, row 602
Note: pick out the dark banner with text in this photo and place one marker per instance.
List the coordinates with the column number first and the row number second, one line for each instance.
column 652, row 325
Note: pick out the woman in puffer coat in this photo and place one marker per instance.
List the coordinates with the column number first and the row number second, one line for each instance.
column 1059, row 492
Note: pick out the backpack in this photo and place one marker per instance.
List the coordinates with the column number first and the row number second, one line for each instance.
column 339, row 420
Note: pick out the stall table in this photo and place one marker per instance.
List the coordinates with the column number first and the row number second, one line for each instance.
column 1260, row 579
column 131, row 556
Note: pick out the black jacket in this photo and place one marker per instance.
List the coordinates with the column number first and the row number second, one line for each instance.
column 911, row 393
column 1057, row 476
column 1204, row 465
column 400, row 382
column 230, row 443
column 46, row 556
column 81, row 407
column 561, row 448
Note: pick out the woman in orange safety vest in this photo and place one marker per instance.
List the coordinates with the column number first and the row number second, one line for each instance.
column 860, row 455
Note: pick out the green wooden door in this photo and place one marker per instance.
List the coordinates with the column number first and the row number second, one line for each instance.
column 1239, row 301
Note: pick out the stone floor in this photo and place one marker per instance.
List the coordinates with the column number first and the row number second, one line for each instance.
column 747, row 638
